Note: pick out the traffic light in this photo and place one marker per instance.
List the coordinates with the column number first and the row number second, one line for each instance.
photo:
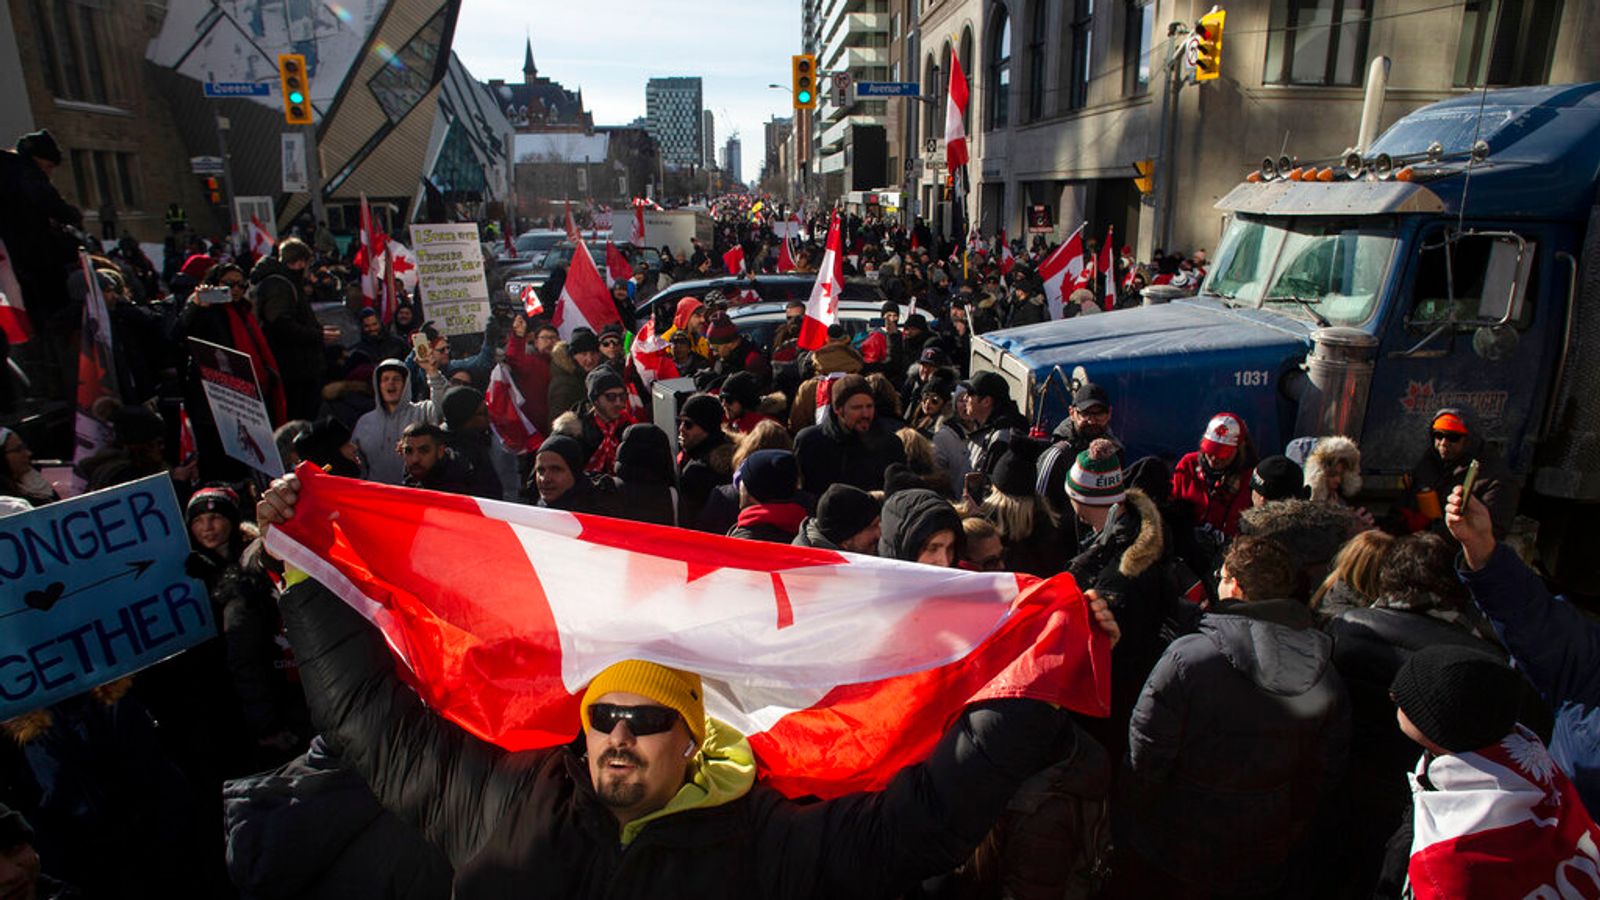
column 213, row 190
column 803, row 73
column 296, row 88
column 1146, row 180
column 1208, row 45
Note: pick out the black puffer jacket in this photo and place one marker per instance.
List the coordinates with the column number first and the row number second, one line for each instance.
column 529, row 825
column 311, row 829
column 829, row 455
column 1241, row 732
column 287, row 319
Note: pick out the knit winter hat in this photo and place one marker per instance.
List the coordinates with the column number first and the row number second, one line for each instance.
column 583, row 339
column 1278, row 478
column 1222, row 436
column 600, row 380
column 673, row 688
column 721, row 330
column 1460, row 698
column 1017, row 471
column 1096, row 475
column 844, row 511
column 218, row 499
column 460, row 402
column 744, row 387
column 703, row 410
column 771, row 476
column 569, row 449
column 137, row 424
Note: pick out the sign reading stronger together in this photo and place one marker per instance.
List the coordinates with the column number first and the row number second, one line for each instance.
column 92, row 589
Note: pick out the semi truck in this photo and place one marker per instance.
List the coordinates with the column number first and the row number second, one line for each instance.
column 1455, row 262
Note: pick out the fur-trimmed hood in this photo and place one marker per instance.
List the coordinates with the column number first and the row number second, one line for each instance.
column 561, row 358
column 1150, row 543
column 29, row 726
column 1328, row 452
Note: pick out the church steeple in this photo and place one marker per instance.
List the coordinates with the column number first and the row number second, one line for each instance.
column 530, row 72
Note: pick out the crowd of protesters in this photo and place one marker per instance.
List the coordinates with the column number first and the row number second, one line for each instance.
column 1296, row 682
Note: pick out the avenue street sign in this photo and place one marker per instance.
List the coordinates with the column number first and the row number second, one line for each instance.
column 887, row 89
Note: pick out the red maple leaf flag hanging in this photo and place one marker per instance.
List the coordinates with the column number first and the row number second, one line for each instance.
column 1007, row 260
column 652, row 356
column 1063, row 267
column 368, row 252
column 840, row 669
column 1108, row 270
column 617, row 267
column 506, row 419
column 637, row 236
column 955, row 130
column 573, row 234
column 823, row 306
column 785, row 258
column 585, row 302
column 733, row 260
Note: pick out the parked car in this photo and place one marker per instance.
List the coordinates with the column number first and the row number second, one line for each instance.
column 561, row 255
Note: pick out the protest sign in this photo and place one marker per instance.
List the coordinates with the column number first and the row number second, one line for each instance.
column 450, row 277
column 229, row 380
column 94, row 589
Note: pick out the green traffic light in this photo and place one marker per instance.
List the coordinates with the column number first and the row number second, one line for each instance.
column 804, row 96
column 296, row 97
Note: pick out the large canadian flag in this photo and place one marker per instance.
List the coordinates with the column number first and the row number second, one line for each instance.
column 840, row 669
column 585, row 302
column 823, row 307
column 1061, row 272
column 955, row 130
column 371, row 243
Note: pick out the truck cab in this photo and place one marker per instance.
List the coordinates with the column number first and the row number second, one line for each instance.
column 1454, row 263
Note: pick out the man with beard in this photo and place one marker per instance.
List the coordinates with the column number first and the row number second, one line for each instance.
column 1088, row 419
column 376, row 341
column 431, row 465
column 656, row 791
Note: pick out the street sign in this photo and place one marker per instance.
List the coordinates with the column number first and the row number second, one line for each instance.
column 887, row 89
column 296, row 179
column 205, row 165
column 1040, row 219
column 238, row 89
column 841, row 87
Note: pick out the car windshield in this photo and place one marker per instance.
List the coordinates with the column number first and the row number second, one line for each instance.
column 1326, row 271
column 529, row 243
column 561, row 255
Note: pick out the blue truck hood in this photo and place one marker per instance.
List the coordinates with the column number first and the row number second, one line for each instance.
column 1169, row 368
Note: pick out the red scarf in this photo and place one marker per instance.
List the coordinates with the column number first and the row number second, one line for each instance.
column 604, row 459
column 247, row 338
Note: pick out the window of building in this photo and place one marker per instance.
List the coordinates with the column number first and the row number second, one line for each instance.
column 103, row 176
column 930, row 89
column 1322, row 42
column 128, row 179
column 82, row 173
column 1139, row 26
column 967, row 69
column 1036, row 60
column 999, row 105
column 407, row 74
column 1506, row 42
column 94, row 70
column 44, row 39
column 1080, row 34
column 66, row 46
column 71, row 50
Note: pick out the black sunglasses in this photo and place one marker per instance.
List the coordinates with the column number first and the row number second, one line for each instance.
column 642, row 720
column 612, row 342
column 1450, row 436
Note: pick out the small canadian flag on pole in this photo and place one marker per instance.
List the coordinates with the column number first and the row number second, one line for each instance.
column 955, row 130
column 1063, row 267
column 823, row 307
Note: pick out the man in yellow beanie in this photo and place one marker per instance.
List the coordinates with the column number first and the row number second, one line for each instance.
column 658, row 799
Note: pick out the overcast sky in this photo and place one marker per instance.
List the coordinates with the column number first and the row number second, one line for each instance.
column 612, row 47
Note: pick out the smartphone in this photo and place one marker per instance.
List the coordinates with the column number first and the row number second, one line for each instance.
column 215, row 295
column 1470, row 482
column 419, row 343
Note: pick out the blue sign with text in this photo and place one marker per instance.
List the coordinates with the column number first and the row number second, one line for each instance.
column 238, row 89
column 92, row 589
column 887, row 89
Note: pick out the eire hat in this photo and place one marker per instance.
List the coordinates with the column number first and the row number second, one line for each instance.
column 673, row 688
column 1096, row 478
column 1460, row 698
column 1222, row 436
column 1449, row 420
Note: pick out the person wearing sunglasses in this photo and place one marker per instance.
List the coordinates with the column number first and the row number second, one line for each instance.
column 653, row 792
column 601, row 421
column 1455, row 440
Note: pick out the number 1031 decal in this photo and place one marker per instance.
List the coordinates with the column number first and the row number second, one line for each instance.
column 1252, row 378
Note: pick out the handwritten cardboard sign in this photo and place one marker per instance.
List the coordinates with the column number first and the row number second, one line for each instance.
column 229, row 380
column 92, row 589
column 450, row 277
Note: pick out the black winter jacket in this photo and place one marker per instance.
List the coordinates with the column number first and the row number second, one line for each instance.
column 287, row 319
column 528, row 824
column 830, row 455
column 1241, row 732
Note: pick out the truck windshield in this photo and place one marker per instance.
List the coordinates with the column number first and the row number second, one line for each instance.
column 1326, row 271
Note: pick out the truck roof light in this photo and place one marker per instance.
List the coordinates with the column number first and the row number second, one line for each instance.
column 1435, row 151
column 1254, row 177
column 1285, row 164
column 1352, row 164
column 1382, row 166
column 1269, row 169
column 1409, row 173
column 1326, row 174
column 1295, row 173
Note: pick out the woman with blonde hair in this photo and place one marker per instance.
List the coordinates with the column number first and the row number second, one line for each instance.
column 1352, row 582
column 920, row 460
column 721, row 511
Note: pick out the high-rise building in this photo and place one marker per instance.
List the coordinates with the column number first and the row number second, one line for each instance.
column 673, row 107
column 777, row 131
column 850, row 137
column 708, row 138
column 731, row 159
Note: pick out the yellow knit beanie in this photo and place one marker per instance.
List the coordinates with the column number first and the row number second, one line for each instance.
column 672, row 688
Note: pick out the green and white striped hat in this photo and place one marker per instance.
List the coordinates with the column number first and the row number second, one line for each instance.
column 1096, row 478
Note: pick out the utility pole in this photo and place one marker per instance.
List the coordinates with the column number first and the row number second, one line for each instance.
column 1166, row 138
column 227, row 166
column 313, row 177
